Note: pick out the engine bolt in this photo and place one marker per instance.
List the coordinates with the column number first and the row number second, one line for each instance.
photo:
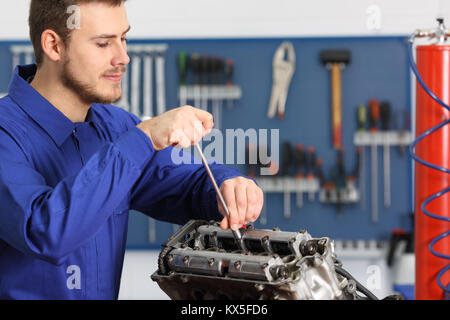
column 264, row 266
column 186, row 260
column 211, row 262
column 237, row 264
column 276, row 229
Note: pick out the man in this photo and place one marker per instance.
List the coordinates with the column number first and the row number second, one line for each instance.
column 72, row 166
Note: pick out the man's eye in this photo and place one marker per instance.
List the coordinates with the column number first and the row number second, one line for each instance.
column 125, row 40
column 102, row 45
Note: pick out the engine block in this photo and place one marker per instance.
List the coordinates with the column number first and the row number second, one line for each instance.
column 201, row 261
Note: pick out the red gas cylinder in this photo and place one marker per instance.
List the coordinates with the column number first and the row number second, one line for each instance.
column 433, row 64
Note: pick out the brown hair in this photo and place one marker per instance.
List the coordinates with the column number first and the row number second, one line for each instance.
column 52, row 14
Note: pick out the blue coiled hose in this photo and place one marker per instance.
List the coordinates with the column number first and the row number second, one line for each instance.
column 412, row 63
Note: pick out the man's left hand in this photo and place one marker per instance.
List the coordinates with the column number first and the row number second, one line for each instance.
column 244, row 200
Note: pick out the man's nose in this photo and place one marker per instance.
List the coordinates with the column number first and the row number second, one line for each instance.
column 121, row 56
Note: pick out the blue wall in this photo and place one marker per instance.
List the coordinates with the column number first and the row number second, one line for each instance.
column 378, row 69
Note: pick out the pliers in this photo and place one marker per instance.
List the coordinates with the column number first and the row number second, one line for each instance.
column 283, row 69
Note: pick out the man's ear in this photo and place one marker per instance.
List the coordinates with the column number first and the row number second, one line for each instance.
column 52, row 45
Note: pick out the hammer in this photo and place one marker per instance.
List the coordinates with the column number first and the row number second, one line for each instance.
column 335, row 60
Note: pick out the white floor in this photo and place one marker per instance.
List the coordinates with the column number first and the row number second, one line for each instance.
column 136, row 284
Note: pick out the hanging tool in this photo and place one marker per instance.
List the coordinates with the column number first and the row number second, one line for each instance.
column 194, row 63
column 385, row 116
column 285, row 170
column 135, row 85
column 319, row 171
column 229, row 72
column 335, row 60
column 160, row 83
column 253, row 163
column 182, row 76
column 148, row 87
column 217, row 66
column 283, row 71
column 236, row 233
column 402, row 125
column 300, row 163
column 362, row 119
column 374, row 116
column 204, row 73
column 310, row 169
column 339, row 177
column 250, row 162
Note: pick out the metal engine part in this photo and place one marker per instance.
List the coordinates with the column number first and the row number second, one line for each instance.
column 202, row 262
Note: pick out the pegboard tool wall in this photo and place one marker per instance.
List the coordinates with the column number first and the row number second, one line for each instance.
column 378, row 69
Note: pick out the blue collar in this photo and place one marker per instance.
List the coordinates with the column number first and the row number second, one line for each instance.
column 49, row 118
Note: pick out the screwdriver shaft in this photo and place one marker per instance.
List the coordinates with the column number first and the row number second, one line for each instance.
column 236, row 233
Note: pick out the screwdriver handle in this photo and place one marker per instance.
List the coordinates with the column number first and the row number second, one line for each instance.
column 195, row 66
column 229, row 72
column 374, row 114
column 362, row 117
column 385, row 115
column 311, row 162
column 182, row 67
column 287, row 159
column 299, row 160
column 319, row 170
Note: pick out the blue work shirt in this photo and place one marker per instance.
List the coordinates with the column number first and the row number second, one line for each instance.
column 66, row 189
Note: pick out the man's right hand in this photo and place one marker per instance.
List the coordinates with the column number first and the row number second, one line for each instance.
column 181, row 127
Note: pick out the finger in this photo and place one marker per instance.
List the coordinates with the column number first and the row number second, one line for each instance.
column 224, row 224
column 230, row 200
column 183, row 139
column 252, row 199
column 259, row 202
column 197, row 131
column 240, row 191
column 205, row 118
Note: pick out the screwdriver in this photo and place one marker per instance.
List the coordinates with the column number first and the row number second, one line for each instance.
column 374, row 116
column 299, row 162
column 311, row 162
column 216, row 66
column 182, row 75
column 338, row 177
column 195, row 65
column 204, row 71
column 251, row 164
column 236, row 233
column 319, row 170
column 229, row 72
column 361, row 120
column 285, row 170
column 401, row 124
column 385, row 116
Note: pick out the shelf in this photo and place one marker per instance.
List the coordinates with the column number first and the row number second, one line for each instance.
column 288, row 184
column 346, row 195
column 360, row 249
column 210, row 92
column 383, row 138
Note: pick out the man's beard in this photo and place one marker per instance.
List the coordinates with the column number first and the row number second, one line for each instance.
column 87, row 92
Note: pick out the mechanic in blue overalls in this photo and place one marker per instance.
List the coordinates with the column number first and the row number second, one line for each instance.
column 72, row 165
